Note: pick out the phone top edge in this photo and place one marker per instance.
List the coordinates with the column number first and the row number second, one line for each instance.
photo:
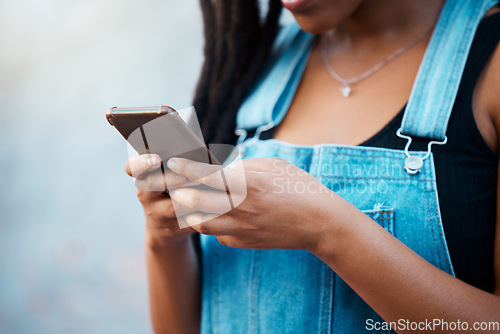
column 162, row 110
column 110, row 115
column 159, row 110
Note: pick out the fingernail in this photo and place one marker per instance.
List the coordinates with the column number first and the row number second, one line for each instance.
column 171, row 163
column 153, row 160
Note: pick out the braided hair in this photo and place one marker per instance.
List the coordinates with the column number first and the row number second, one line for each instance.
column 237, row 45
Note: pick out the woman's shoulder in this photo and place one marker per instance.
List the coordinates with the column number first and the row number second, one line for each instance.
column 492, row 87
column 488, row 94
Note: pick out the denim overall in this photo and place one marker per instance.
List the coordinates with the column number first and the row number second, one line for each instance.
column 292, row 291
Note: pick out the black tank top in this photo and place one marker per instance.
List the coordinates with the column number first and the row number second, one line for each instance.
column 466, row 171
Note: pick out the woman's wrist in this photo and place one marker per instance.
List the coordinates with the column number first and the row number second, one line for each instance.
column 338, row 231
column 156, row 242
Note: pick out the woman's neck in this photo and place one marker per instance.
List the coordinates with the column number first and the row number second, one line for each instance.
column 385, row 19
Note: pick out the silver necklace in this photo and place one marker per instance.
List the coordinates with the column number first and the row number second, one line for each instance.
column 346, row 89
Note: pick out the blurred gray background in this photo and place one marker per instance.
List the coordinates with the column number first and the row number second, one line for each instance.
column 71, row 229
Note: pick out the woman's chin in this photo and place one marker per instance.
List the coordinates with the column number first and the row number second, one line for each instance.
column 313, row 25
column 317, row 17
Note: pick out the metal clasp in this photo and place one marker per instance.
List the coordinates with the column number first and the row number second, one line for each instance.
column 242, row 135
column 261, row 129
column 414, row 163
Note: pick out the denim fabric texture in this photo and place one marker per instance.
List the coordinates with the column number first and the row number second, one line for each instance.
column 292, row 291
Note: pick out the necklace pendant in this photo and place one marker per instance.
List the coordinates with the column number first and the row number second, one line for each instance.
column 346, row 91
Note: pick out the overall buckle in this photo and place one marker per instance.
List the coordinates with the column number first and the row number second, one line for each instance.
column 414, row 163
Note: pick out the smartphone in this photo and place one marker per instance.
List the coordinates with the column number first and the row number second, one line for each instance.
column 159, row 130
column 162, row 131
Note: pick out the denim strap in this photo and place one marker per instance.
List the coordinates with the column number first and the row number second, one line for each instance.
column 438, row 79
column 273, row 93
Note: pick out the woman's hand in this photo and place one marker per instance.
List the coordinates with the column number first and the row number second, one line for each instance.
column 285, row 207
column 162, row 227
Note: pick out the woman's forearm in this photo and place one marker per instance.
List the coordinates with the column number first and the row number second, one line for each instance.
column 399, row 284
column 174, row 287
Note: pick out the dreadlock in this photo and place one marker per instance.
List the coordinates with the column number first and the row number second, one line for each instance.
column 237, row 45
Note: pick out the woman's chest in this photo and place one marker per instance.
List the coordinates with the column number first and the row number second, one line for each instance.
column 319, row 113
